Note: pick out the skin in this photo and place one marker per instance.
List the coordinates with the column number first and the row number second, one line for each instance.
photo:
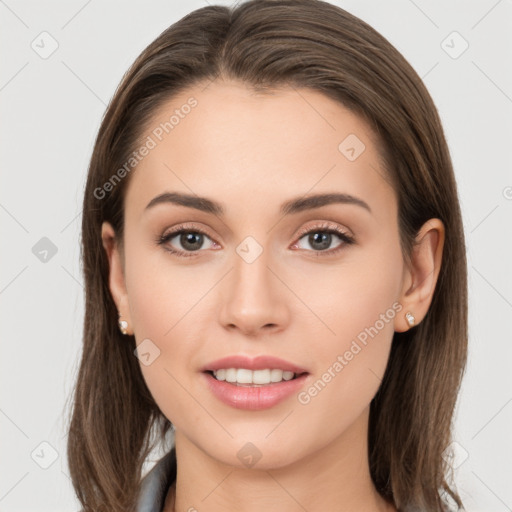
column 252, row 152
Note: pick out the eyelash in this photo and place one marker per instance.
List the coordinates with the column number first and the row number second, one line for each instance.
column 324, row 228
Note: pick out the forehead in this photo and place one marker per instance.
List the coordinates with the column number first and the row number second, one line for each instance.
column 223, row 139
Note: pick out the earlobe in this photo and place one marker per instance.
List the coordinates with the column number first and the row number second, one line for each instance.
column 421, row 278
column 116, row 280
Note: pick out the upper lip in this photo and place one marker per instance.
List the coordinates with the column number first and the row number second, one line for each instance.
column 253, row 363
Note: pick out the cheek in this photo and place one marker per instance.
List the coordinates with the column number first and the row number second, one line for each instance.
column 357, row 304
column 348, row 298
column 161, row 301
column 160, row 294
column 161, row 329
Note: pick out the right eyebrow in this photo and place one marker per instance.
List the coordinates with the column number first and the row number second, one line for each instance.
column 199, row 203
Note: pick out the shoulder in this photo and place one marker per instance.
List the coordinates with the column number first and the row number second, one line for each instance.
column 154, row 486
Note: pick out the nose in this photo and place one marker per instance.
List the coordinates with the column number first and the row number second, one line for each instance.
column 253, row 299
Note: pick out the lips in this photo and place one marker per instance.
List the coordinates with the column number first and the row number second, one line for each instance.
column 257, row 363
column 255, row 396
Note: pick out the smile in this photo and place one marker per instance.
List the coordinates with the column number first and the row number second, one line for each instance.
column 245, row 377
column 253, row 383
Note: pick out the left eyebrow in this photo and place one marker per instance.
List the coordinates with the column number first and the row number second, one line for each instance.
column 291, row 206
column 319, row 200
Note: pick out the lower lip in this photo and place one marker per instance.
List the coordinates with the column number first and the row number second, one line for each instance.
column 254, row 398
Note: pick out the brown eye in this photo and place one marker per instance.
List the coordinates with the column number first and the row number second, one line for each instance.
column 191, row 241
column 185, row 242
column 320, row 239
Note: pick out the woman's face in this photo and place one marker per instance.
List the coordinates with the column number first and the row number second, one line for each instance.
column 264, row 275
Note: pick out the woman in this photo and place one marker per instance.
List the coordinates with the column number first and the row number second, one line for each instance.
column 275, row 274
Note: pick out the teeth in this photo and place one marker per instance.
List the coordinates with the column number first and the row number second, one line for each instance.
column 277, row 375
column 231, row 375
column 244, row 376
column 261, row 376
column 220, row 374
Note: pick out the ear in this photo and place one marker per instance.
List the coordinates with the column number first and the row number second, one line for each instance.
column 116, row 280
column 420, row 277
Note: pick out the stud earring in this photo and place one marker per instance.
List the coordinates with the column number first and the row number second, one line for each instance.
column 123, row 325
column 410, row 319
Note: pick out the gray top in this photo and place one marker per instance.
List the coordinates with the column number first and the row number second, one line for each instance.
column 154, row 486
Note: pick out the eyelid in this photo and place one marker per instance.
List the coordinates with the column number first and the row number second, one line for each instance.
column 187, row 226
column 323, row 226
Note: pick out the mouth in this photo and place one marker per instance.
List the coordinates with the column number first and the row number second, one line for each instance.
column 253, row 383
column 244, row 377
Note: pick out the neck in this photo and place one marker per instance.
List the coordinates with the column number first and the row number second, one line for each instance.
column 336, row 478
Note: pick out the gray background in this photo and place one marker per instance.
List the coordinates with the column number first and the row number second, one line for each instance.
column 51, row 110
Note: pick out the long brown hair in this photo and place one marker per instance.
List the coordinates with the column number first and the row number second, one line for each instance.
column 115, row 422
